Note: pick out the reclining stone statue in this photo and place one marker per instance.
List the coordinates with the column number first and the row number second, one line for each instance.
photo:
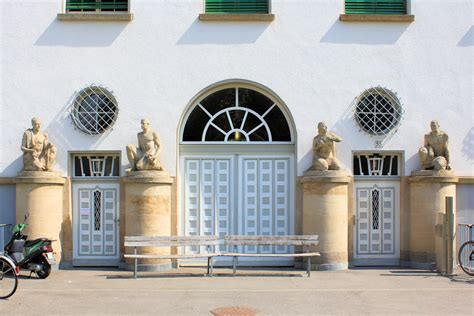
column 434, row 155
column 38, row 153
column 146, row 155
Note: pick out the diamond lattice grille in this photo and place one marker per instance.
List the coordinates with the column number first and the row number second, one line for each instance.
column 375, row 208
column 94, row 110
column 378, row 111
column 97, row 209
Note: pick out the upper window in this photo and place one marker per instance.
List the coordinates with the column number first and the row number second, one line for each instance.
column 236, row 115
column 237, row 6
column 96, row 5
column 94, row 110
column 378, row 111
column 376, row 7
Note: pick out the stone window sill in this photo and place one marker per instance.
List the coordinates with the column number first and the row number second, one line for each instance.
column 95, row 16
column 377, row 18
column 237, row 17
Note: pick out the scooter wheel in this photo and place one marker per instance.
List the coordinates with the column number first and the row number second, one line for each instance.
column 43, row 274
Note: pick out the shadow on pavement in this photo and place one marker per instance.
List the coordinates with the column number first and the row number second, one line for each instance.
column 218, row 272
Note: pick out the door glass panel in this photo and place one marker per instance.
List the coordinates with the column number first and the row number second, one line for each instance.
column 97, row 209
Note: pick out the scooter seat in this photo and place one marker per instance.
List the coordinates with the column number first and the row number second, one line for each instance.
column 29, row 243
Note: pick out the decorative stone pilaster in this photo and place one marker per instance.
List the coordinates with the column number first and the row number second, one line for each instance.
column 148, row 213
column 428, row 192
column 39, row 194
column 325, row 213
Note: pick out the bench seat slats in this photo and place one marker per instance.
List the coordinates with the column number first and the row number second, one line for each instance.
column 170, row 243
column 271, row 242
column 184, row 256
column 306, row 254
column 171, row 238
column 280, row 237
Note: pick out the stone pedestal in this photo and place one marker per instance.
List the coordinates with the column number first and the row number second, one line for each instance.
column 39, row 194
column 325, row 213
column 428, row 192
column 148, row 213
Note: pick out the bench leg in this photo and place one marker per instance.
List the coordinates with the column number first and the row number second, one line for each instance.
column 212, row 266
column 234, row 266
column 135, row 268
column 308, row 268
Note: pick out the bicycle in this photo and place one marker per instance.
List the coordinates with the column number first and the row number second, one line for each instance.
column 466, row 255
column 8, row 277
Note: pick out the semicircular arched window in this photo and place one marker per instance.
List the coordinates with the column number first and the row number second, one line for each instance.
column 236, row 115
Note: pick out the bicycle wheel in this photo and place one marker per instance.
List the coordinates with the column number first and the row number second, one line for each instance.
column 466, row 257
column 8, row 279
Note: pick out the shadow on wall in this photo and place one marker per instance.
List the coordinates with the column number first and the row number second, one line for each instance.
column 17, row 164
column 468, row 145
column 65, row 136
column 412, row 163
column 364, row 33
column 200, row 32
column 79, row 34
column 468, row 38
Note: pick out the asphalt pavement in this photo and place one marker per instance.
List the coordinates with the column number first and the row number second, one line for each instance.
column 388, row 291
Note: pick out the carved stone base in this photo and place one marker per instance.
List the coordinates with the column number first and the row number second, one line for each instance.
column 148, row 176
column 325, row 176
column 39, row 194
column 433, row 173
column 428, row 192
column 38, row 174
column 325, row 209
column 148, row 212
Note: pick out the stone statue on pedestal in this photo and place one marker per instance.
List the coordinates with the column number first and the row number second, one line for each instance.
column 146, row 155
column 434, row 155
column 324, row 150
column 38, row 153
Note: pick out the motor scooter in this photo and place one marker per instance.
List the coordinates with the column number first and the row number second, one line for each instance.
column 33, row 255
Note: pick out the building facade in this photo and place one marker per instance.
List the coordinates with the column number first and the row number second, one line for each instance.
column 235, row 94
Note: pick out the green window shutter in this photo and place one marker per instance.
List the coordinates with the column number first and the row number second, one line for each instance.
column 96, row 5
column 376, row 6
column 237, row 6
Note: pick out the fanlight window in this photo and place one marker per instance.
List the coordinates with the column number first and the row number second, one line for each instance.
column 236, row 115
column 96, row 166
column 376, row 165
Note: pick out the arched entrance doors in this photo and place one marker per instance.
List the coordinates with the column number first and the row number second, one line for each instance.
column 237, row 165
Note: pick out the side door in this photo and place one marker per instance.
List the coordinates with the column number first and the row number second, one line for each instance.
column 96, row 224
column 377, row 231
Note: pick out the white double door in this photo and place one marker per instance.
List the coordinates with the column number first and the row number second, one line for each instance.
column 377, row 224
column 239, row 195
column 96, row 223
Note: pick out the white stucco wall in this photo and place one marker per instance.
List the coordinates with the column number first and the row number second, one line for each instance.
column 155, row 65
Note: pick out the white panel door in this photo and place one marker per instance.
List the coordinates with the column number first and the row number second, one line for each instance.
column 207, row 198
column 265, row 196
column 247, row 195
column 377, row 221
column 96, row 218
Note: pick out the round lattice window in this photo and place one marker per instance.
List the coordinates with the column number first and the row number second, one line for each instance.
column 94, row 110
column 378, row 111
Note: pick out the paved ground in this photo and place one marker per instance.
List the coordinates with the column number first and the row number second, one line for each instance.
column 187, row 292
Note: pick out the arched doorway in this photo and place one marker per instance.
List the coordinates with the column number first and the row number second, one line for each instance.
column 237, row 166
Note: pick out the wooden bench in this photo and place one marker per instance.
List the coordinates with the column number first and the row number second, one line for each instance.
column 136, row 242
column 304, row 240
